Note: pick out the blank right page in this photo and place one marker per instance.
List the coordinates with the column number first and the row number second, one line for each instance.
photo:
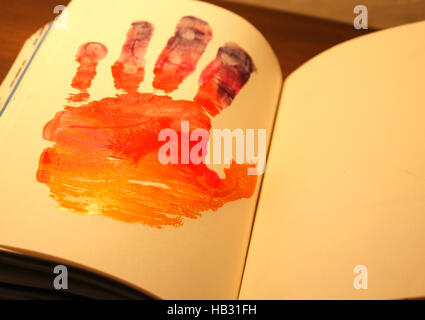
column 345, row 182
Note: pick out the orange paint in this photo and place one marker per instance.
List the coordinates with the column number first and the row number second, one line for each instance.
column 104, row 156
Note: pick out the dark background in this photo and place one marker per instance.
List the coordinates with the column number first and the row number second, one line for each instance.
column 294, row 38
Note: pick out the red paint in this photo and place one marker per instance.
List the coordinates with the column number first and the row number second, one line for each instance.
column 104, row 154
column 88, row 56
column 223, row 78
column 129, row 70
column 181, row 54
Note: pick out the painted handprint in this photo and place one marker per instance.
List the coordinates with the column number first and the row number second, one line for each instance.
column 104, row 156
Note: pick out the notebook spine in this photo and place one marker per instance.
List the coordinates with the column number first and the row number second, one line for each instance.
column 19, row 67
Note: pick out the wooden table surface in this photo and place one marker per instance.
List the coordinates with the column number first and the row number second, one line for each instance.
column 294, row 38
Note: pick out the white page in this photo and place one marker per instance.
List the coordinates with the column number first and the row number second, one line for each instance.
column 345, row 183
column 204, row 257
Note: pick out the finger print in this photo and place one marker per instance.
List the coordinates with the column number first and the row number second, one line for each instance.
column 181, row 54
column 88, row 55
column 222, row 79
column 129, row 70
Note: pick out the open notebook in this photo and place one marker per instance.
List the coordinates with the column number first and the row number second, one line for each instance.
column 82, row 184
